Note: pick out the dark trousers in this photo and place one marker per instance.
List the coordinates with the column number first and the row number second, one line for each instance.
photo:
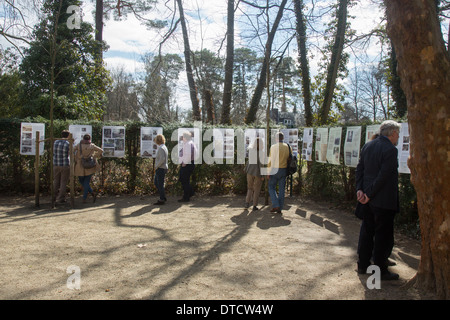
column 376, row 237
column 160, row 174
column 185, row 178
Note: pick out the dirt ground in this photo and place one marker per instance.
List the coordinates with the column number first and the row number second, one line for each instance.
column 208, row 249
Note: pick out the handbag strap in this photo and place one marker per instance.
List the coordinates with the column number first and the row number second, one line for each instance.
column 81, row 153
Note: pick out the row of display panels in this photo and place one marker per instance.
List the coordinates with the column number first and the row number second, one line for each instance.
column 327, row 141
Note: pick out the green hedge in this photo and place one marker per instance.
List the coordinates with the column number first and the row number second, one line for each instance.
column 133, row 174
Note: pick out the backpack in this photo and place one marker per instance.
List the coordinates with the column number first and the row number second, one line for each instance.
column 292, row 163
column 89, row 162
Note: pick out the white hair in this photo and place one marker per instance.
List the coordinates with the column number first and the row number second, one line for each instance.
column 388, row 127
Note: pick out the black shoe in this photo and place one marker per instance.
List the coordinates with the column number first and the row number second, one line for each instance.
column 255, row 208
column 362, row 269
column 387, row 275
column 159, row 202
column 183, row 200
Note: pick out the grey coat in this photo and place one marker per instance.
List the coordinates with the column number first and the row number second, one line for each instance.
column 162, row 155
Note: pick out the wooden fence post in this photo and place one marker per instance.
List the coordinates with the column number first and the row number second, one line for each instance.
column 72, row 171
column 36, row 171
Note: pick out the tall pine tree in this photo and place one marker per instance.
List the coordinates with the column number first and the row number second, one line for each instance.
column 61, row 59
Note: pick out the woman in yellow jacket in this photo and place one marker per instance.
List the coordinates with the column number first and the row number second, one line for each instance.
column 86, row 149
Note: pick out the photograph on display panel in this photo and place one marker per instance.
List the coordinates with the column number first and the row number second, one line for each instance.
column 223, row 140
column 78, row 132
column 307, row 144
column 403, row 147
column 291, row 138
column 113, row 142
column 28, row 133
column 148, row 145
column 352, row 146
column 334, row 145
column 321, row 145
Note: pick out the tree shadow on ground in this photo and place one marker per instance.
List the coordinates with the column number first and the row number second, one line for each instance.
column 347, row 226
column 264, row 220
column 203, row 253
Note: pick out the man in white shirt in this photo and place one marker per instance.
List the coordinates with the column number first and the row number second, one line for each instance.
column 186, row 160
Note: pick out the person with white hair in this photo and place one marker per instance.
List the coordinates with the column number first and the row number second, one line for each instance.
column 186, row 160
column 377, row 190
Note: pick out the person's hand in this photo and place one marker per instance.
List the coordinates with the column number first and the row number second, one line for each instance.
column 359, row 195
column 367, row 199
column 362, row 197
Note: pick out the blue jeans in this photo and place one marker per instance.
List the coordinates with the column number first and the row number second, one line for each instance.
column 278, row 178
column 85, row 183
column 160, row 174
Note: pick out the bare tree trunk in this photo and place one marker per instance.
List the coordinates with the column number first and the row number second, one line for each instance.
column 335, row 61
column 54, row 46
column 256, row 98
column 303, row 58
column 99, row 27
column 424, row 66
column 210, row 112
column 228, row 86
column 283, row 96
column 187, row 58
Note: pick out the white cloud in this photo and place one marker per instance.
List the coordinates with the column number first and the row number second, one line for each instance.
column 129, row 65
column 129, row 35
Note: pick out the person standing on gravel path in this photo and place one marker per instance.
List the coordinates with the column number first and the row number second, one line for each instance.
column 161, row 167
column 254, row 177
column 61, row 167
column 278, row 159
column 187, row 155
column 377, row 186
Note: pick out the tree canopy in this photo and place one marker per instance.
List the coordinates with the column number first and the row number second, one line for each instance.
column 79, row 85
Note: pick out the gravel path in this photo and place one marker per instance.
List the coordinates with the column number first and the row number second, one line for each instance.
column 209, row 249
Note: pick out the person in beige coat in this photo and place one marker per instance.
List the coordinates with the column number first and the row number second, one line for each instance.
column 86, row 149
column 254, row 177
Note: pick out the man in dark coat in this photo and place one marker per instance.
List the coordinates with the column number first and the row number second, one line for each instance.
column 377, row 190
